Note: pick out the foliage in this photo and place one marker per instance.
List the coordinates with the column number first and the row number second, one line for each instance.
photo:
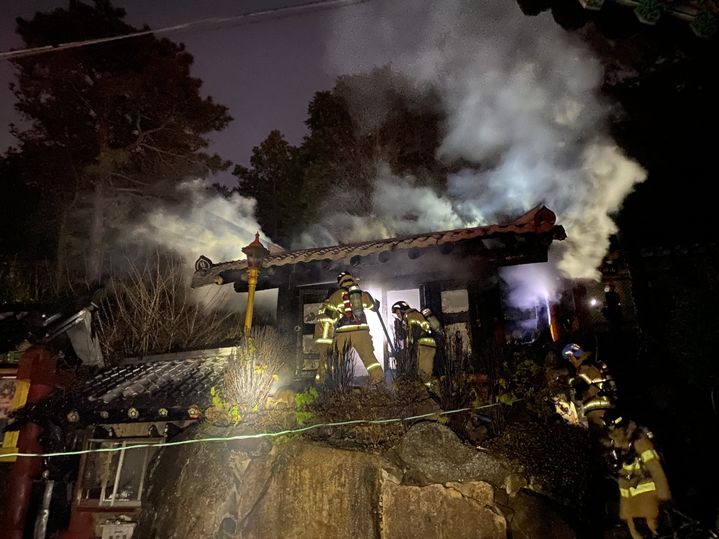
column 271, row 179
column 406, row 363
column 454, row 387
column 689, row 339
column 365, row 119
column 303, row 403
column 524, row 377
column 227, row 410
column 106, row 124
column 338, row 378
column 27, row 282
column 252, row 369
column 152, row 310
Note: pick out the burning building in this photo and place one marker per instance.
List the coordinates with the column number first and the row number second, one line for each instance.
column 455, row 273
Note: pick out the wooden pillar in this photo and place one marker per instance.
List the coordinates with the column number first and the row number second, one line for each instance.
column 37, row 372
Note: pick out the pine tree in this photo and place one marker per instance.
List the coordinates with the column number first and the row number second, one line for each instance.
column 107, row 127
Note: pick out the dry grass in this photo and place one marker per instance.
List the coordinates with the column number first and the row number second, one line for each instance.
column 151, row 310
column 252, row 369
column 339, row 371
column 35, row 282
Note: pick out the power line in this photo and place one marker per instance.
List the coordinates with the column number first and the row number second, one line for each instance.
column 318, row 4
column 246, row 436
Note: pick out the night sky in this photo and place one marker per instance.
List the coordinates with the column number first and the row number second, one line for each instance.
column 265, row 72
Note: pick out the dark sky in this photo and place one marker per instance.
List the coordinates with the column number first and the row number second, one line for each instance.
column 265, row 71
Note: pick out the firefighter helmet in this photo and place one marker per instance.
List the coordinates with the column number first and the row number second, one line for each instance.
column 401, row 306
column 345, row 277
column 573, row 350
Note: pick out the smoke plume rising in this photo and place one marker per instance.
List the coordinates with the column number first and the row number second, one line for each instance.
column 522, row 110
column 202, row 222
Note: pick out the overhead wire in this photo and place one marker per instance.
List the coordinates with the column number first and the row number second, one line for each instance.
column 245, row 436
column 316, row 5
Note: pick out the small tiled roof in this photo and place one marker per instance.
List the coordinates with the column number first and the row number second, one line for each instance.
column 539, row 220
column 174, row 382
column 702, row 15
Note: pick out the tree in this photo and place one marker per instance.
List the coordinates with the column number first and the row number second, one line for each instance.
column 365, row 119
column 274, row 182
column 109, row 124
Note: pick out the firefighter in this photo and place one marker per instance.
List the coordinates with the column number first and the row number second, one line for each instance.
column 345, row 307
column 415, row 331
column 643, row 486
column 593, row 385
column 325, row 320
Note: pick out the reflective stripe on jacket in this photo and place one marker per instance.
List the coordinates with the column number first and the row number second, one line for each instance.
column 418, row 329
column 338, row 307
column 644, row 473
column 324, row 327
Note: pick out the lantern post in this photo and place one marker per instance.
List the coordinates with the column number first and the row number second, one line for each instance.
column 256, row 254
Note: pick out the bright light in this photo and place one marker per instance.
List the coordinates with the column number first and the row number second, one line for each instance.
column 593, row 302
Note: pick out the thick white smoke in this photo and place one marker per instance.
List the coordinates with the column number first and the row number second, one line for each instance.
column 202, row 222
column 522, row 107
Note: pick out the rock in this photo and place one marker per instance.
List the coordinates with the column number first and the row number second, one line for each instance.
column 430, row 486
column 456, row 510
column 533, row 516
column 439, row 455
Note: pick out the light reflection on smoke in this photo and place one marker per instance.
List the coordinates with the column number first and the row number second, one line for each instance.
column 522, row 107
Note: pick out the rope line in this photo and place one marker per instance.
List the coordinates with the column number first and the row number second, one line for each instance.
column 245, row 436
column 33, row 51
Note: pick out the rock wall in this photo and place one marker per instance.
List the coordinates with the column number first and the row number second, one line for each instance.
column 430, row 485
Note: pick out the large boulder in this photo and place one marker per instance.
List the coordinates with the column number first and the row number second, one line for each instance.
column 432, row 453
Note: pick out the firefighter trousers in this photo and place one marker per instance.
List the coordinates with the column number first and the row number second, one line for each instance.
column 361, row 340
column 425, row 361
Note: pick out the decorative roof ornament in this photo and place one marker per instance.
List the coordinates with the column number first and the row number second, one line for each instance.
column 649, row 11
column 203, row 263
column 706, row 23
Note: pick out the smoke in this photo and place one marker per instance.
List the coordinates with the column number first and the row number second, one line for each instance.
column 201, row 221
column 400, row 206
column 523, row 112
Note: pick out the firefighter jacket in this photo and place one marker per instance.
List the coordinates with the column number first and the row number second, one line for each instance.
column 325, row 326
column 642, row 482
column 337, row 307
column 594, row 386
column 417, row 329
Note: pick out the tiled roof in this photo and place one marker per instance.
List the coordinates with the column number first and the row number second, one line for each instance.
column 173, row 382
column 540, row 220
column 702, row 15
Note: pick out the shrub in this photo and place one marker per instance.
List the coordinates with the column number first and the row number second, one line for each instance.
column 338, row 378
column 252, row 369
column 152, row 310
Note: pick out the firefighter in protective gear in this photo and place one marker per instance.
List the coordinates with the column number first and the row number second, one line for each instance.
column 415, row 331
column 345, row 307
column 643, row 485
column 324, row 336
column 593, row 385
